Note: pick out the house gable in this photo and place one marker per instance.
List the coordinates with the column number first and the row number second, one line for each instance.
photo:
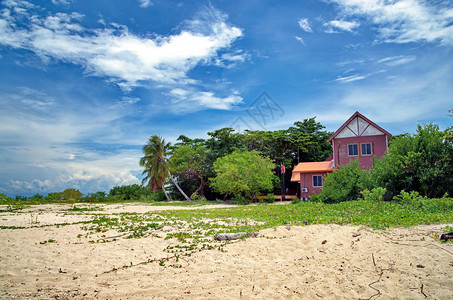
column 358, row 125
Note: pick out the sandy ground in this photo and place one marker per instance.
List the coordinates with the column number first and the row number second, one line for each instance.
column 287, row 262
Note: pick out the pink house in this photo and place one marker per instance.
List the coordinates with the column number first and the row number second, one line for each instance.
column 358, row 138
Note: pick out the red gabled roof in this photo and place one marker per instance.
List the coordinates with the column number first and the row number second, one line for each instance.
column 357, row 114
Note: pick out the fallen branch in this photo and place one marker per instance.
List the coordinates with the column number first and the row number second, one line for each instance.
column 446, row 236
column 421, row 291
column 233, row 236
column 378, row 291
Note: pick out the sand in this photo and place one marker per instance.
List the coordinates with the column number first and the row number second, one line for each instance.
column 287, row 262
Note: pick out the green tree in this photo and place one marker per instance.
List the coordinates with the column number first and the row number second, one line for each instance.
column 344, row 184
column 54, row 197
column 422, row 162
column 71, row 194
column 243, row 174
column 126, row 192
column 36, row 198
column 156, row 164
column 189, row 164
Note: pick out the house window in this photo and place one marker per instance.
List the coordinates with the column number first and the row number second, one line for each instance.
column 366, row 149
column 317, row 181
column 353, row 150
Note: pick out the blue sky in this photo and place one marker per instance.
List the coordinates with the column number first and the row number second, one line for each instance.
column 85, row 83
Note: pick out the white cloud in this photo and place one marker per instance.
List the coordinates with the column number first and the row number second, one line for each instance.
column 298, row 38
column 189, row 99
column 397, row 60
column 351, row 78
column 42, row 142
column 305, row 25
column 145, row 3
column 63, row 2
column 335, row 25
column 115, row 52
column 405, row 21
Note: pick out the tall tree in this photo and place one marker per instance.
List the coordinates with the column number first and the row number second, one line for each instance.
column 156, row 164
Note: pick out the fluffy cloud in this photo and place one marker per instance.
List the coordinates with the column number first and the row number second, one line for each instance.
column 305, row 25
column 115, row 52
column 186, row 100
column 404, row 21
column 335, row 25
column 145, row 3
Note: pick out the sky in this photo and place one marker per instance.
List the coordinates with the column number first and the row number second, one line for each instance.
column 84, row 84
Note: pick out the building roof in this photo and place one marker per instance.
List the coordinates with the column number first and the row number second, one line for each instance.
column 311, row 167
column 363, row 126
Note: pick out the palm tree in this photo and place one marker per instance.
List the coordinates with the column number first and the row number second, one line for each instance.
column 156, row 164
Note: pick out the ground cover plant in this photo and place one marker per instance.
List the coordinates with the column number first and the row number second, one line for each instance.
column 190, row 231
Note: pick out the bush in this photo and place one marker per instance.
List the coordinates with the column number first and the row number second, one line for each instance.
column 243, row 174
column 129, row 192
column 196, row 197
column 409, row 199
column 157, row 196
column 296, row 200
column 421, row 162
column 375, row 195
column 270, row 198
column 344, row 184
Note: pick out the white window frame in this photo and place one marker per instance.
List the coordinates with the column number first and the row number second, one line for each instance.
column 313, row 180
column 361, row 149
column 349, row 154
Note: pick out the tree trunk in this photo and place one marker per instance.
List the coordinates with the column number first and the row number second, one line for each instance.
column 165, row 193
column 179, row 188
column 200, row 188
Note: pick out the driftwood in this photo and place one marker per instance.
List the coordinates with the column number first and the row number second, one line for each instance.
column 446, row 236
column 233, row 236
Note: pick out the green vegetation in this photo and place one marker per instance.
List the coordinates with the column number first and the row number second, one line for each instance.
column 421, row 164
column 193, row 159
column 157, row 166
column 378, row 215
column 243, row 174
column 344, row 184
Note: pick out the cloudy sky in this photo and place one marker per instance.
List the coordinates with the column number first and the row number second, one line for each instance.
column 85, row 83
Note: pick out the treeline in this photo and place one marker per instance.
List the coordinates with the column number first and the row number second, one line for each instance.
column 233, row 164
column 125, row 193
column 416, row 166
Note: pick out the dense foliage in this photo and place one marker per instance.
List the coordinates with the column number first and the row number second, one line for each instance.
column 193, row 160
column 243, row 174
column 343, row 185
column 421, row 163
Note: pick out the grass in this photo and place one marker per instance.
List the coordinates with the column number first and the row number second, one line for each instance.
column 373, row 214
column 193, row 230
column 184, row 203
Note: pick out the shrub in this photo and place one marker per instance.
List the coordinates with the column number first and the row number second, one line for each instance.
column 375, row 195
column 344, row 184
column 421, row 162
column 270, row 198
column 157, row 196
column 196, row 197
column 409, row 199
column 243, row 174
column 296, row 200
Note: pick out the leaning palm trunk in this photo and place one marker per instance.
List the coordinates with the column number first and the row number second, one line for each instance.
column 165, row 193
column 179, row 188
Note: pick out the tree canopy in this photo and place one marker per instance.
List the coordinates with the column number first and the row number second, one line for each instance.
column 243, row 174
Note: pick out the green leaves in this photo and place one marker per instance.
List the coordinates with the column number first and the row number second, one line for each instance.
column 243, row 174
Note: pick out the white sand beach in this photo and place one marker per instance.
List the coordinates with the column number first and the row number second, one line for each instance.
column 287, row 262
